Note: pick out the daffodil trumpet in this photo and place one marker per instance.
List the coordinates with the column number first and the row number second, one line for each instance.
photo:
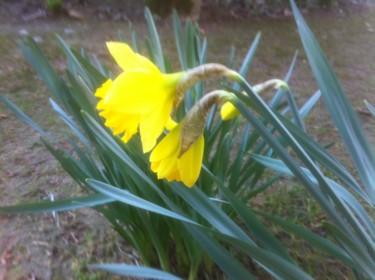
column 142, row 98
column 178, row 156
column 228, row 111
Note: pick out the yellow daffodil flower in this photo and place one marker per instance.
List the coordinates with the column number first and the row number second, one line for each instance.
column 167, row 162
column 179, row 154
column 139, row 98
column 142, row 97
column 228, row 111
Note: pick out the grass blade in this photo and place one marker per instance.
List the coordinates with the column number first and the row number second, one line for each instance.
column 58, row 205
column 248, row 58
column 134, row 271
column 265, row 237
column 202, row 204
column 23, row 117
column 341, row 193
column 360, row 256
column 155, row 41
column 315, row 240
column 320, row 155
column 179, row 39
column 306, row 108
column 233, row 268
column 370, row 108
column 337, row 103
column 45, row 71
column 272, row 263
column 128, row 198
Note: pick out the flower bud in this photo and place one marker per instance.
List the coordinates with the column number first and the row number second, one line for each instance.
column 228, row 111
column 275, row 83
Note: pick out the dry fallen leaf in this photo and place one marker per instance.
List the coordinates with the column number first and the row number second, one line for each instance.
column 75, row 14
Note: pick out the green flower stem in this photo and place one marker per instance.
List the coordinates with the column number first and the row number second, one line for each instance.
column 161, row 251
column 253, row 99
column 193, row 272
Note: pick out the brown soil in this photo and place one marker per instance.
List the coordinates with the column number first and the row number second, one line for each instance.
column 58, row 247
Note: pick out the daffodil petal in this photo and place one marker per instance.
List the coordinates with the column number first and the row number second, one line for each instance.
column 170, row 124
column 155, row 166
column 190, row 163
column 175, row 175
column 165, row 162
column 102, row 91
column 164, row 157
column 228, row 111
column 101, row 105
column 130, row 127
column 167, row 167
column 147, row 64
column 152, row 125
column 135, row 92
column 121, row 123
column 168, row 145
column 127, row 59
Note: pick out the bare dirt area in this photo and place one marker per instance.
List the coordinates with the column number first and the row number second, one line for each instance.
column 58, row 246
column 54, row 245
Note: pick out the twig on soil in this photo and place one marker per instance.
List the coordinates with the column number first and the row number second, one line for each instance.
column 6, row 255
column 38, row 14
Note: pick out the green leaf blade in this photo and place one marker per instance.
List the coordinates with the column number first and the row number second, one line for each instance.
column 58, row 205
column 134, row 271
column 340, row 109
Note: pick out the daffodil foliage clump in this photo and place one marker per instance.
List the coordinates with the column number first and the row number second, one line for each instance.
column 174, row 166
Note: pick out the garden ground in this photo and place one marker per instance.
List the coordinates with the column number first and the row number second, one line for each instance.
column 58, row 246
